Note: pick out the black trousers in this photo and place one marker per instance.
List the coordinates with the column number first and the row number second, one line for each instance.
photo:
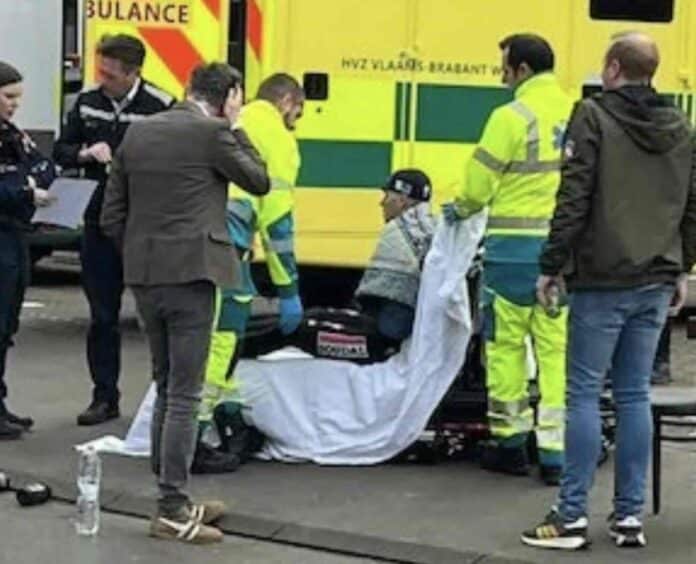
column 14, row 279
column 102, row 279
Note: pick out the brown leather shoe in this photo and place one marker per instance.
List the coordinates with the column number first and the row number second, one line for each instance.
column 207, row 512
column 189, row 531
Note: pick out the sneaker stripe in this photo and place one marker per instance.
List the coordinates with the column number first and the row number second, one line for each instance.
column 193, row 532
column 185, row 531
column 197, row 512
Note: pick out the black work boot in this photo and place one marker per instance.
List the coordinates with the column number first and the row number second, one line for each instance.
column 236, row 436
column 9, row 431
column 11, row 426
column 506, row 460
column 97, row 413
column 208, row 460
column 25, row 422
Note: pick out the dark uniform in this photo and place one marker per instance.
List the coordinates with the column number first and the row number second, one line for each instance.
column 97, row 118
column 19, row 159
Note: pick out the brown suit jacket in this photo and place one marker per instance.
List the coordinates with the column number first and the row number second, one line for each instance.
column 166, row 196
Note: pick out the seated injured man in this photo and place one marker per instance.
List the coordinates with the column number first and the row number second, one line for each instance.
column 372, row 329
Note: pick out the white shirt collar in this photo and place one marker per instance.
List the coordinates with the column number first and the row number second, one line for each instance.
column 121, row 105
column 203, row 107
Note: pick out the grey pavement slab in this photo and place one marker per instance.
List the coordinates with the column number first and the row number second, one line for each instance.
column 452, row 512
column 46, row 534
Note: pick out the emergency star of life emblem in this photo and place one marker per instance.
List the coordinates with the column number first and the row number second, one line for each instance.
column 338, row 345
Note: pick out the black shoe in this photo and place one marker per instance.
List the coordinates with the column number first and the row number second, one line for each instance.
column 505, row 460
column 98, row 412
column 25, row 422
column 552, row 532
column 236, row 436
column 208, row 460
column 550, row 475
column 627, row 532
column 661, row 374
column 9, row 431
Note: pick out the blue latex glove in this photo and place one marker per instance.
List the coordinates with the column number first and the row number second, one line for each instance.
column 450, row 214
column 291, row 313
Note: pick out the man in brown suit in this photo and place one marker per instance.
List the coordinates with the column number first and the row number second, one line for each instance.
column 165, row 208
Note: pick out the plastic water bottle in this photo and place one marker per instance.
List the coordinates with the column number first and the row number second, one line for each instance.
column 553, row 297
column 88, row 481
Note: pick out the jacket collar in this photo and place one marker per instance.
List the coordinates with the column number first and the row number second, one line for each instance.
column 190, row 106
column 538, row 81
column 265, row 108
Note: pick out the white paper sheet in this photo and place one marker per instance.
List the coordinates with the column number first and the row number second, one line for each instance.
column 72, row 196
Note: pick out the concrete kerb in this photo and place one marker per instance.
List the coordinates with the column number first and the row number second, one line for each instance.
column 269, row 530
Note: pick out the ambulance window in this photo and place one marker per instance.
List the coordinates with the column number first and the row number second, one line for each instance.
column 636, row 10
column 316, row 85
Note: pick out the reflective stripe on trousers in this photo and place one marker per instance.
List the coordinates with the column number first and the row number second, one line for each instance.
column 507, row 327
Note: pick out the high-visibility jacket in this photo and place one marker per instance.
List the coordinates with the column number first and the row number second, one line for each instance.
column 515, row 172
column 270, row 215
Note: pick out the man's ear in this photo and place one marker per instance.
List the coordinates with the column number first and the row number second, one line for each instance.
column 285, row 103
column 525, row 70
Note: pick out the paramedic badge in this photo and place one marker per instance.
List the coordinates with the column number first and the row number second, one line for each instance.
column 341, row 346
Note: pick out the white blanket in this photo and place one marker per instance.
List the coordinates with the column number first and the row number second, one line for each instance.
column 336, row 412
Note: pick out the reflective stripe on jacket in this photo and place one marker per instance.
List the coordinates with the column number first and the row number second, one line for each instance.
column 271, row 215
column 515, row 167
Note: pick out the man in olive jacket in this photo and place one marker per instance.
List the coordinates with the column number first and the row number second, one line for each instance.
column 165, row 208
column 623, row 234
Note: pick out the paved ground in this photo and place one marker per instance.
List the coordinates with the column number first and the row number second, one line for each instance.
column 121, row 540
column 451, row 512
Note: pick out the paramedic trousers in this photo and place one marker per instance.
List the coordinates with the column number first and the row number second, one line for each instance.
column 614, row 332
column 178, row 320
column 507, row 328
column 225, row 349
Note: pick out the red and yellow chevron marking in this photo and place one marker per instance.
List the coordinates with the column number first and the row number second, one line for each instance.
column 178, row 34
column 255, row 31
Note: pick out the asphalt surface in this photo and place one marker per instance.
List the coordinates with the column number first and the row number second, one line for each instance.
column 121, row 540
column 450, row 512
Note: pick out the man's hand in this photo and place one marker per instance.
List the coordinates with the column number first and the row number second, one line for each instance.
column 544, row 285
column 450, row 213
column 43, row 198
column 291, row 313
column 680, row 295
column 233, row 104
column 100, row 152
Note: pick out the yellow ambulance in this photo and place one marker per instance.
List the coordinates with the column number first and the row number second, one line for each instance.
column 390, row 83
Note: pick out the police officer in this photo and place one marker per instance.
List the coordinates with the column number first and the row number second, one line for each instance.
column 269, row 122
column 95, row 128
column 24, row 176
column 514, row 172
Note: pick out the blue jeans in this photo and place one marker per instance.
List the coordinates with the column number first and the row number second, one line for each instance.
column 613, row 332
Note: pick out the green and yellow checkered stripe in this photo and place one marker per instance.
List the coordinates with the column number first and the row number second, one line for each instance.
column 444, row 115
